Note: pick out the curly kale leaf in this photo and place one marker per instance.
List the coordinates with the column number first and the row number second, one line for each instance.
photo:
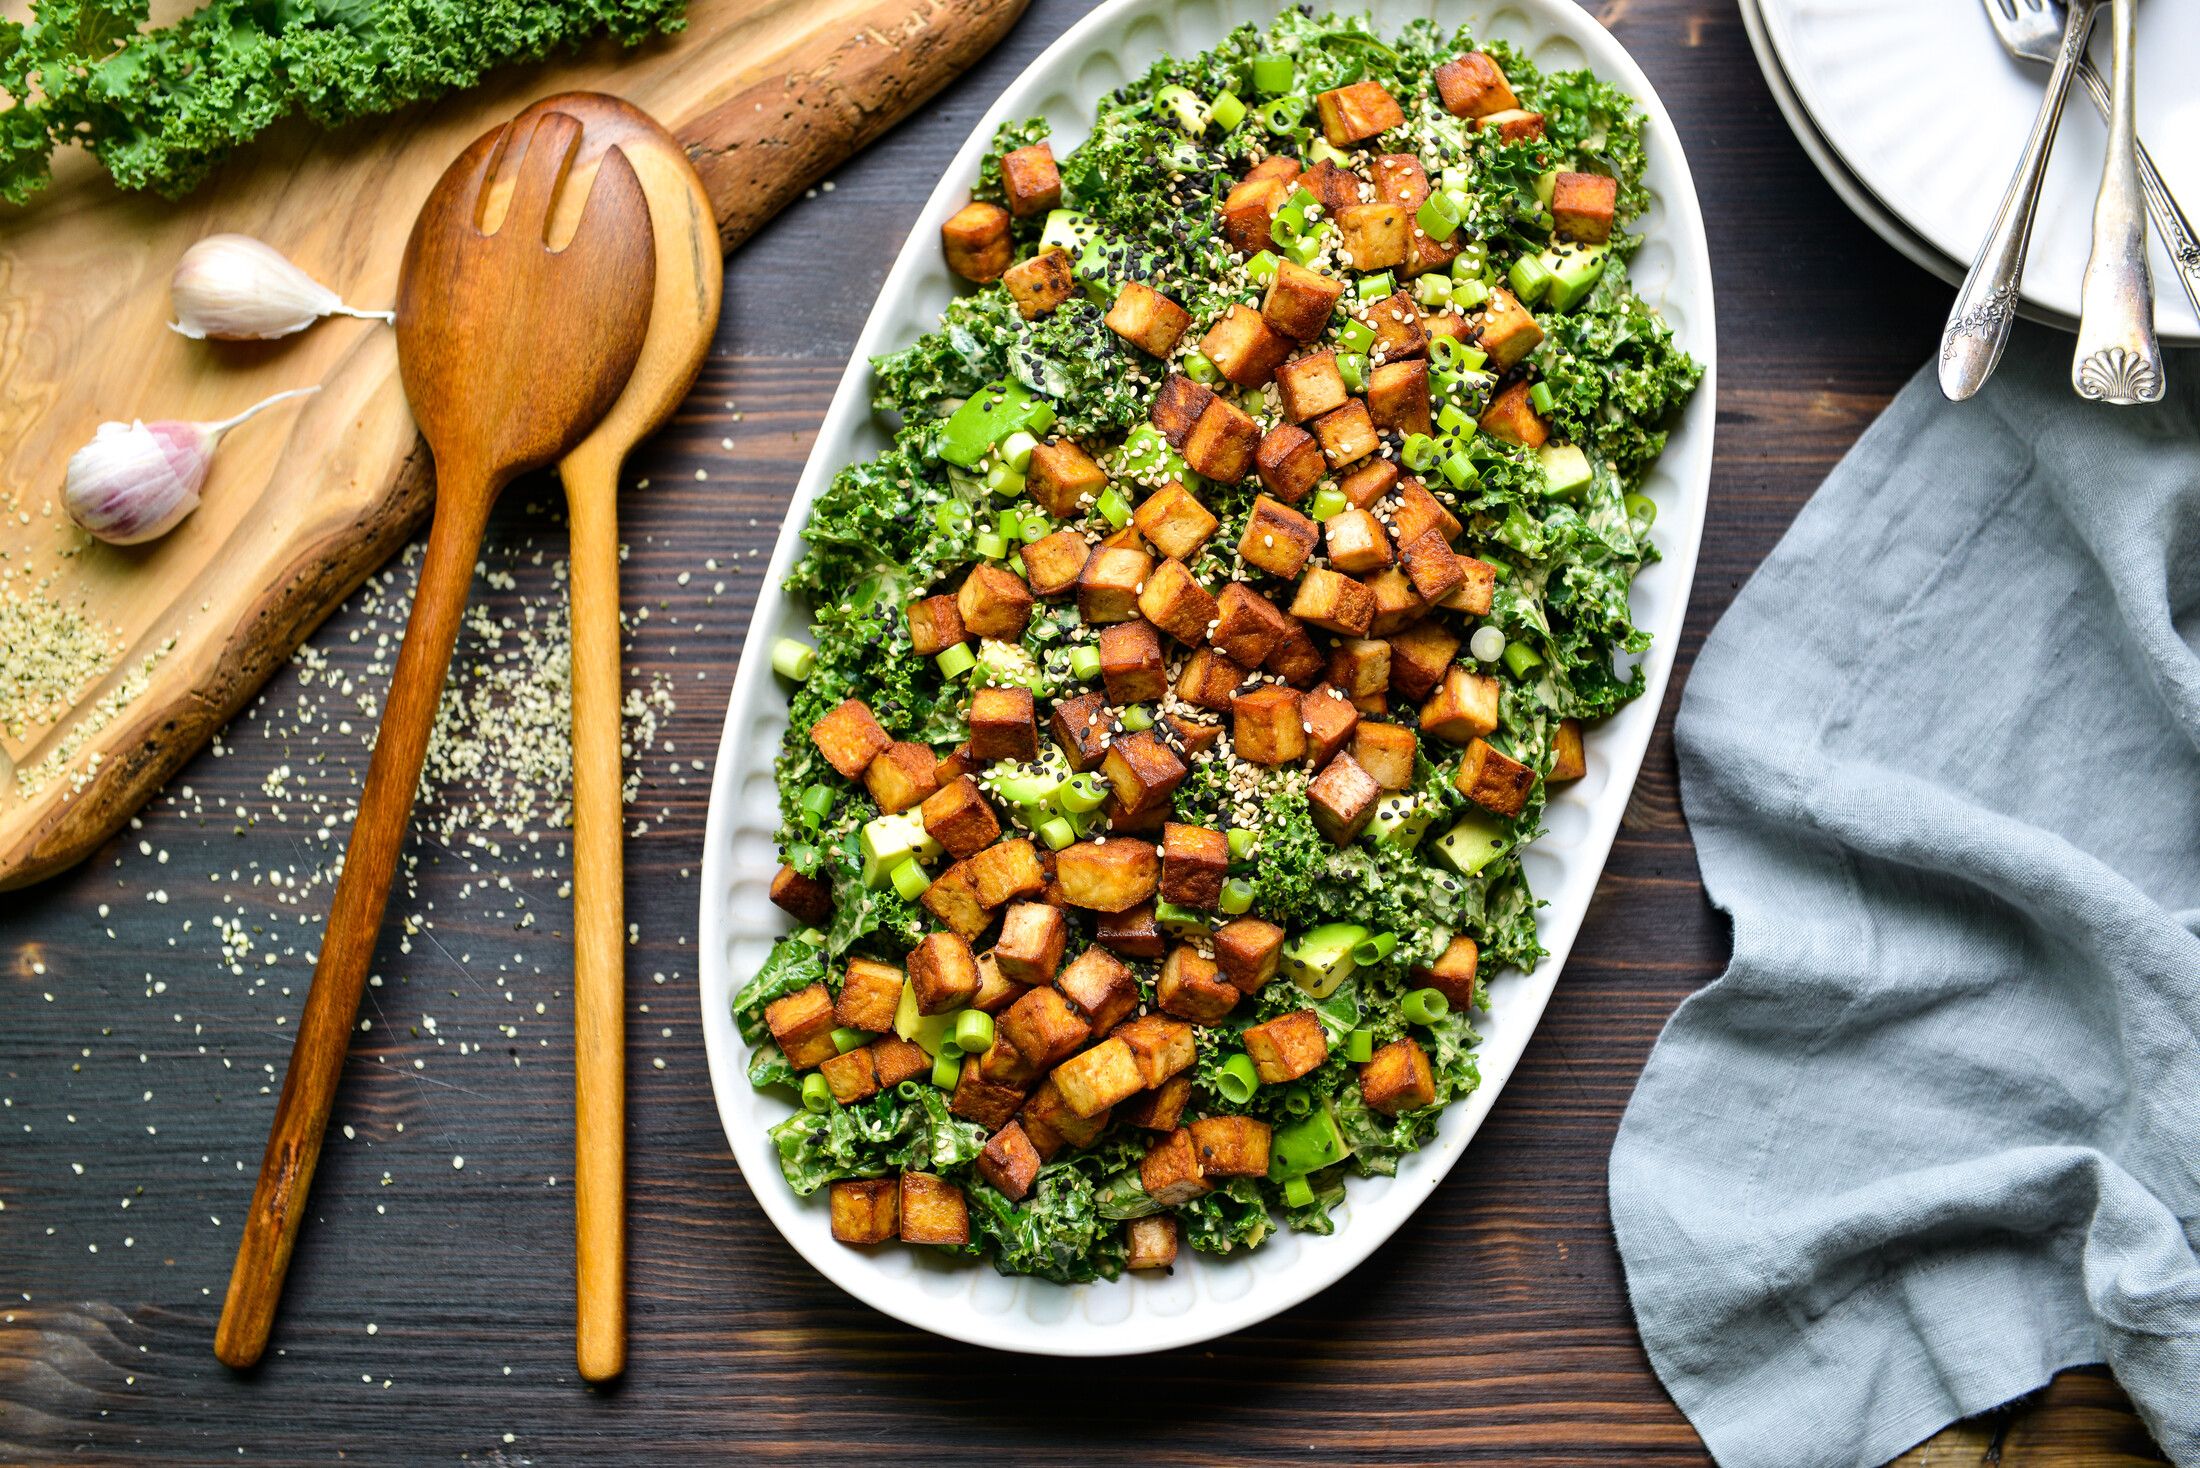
column 1057, row 1233
column 1007, row 138
column 791, row 966
column 967, row 350
column 1617, row 375
column 1232, row 1215
column 874, row 1138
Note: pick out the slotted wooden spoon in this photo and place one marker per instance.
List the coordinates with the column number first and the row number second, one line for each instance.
column 511, row 352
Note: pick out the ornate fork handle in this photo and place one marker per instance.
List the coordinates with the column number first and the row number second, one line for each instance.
column 2176, row 229
column 2118, row 359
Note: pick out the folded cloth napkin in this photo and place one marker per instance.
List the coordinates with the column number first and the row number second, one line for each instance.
column 1935, row 1135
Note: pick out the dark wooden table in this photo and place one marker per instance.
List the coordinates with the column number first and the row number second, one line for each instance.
column 427, row 1317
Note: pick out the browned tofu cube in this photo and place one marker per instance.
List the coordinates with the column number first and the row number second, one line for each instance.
column 1209, row 680
column 1277, row 538
column 1044, row 1027
column 1568, row 760
column 1245, row 349
column 1133, row 932
column 1582, row 205
column 1131, row 663
column 996, row 991
column 1418, row 512
column 1336, row 188
column 1510, row 416
column 990, row 1104
column 1299, row 301
column 1372, row 705
column 1397, row 1078
column 1030, row 179
column 1053, row 563
column 1295, row 659
column 1104, row 990
column 1396, row 602
column 1175, row 603
column 1177, row 407
column 953, row 899
column 1247, row 625
column 1374, row 236
column 1398, row 330
column 805, row 899
column 894, row 1060
column 1107, row 587
column 1194, row 860
column 1355, row 113
column 1476, row 590
column 1290, row 462
column 1002, row 1063
column 1400, row 178
column 802, row 1023
column 901, row 776
column 1249, row 211
column 1397, row 396
column 1029, row 950
column 1006, row 871
column 866, row 1210
column 1431, row 565
column 1474, row 86
column 994, row 602
column 1386, row 752
column 1142, row 770
column 1346, row 434
column 1147, row 319
column 1426, row 253
column 1051, row 1125
column 943, row 973
column 1081, row 727
column 1265, row 727
column 1063, row 480
column 933, row 1210
column 1277, row 166
column 1506, row 330
column 849, row 738
column 1160, row 1109
column 1420, row 655
column 849, row 1076
column 934, row 625
column 1514, row 126
column 870, row 992
column 976, row 240
column 1463, row 707
column 953, row 765
column 1286, row 1047
column 1356, row 539
column 1310, row 386
column 1222, row 442
column 1360, row 666
column 1194, row 736
column 1004, row 724
column 1108, row 874
column 1343, row 798
column 1447, row 324
column 1248, row 951
column 1041, row 283
column 1191, row 987
column 1162, row 1047
column 1329, row 719
column 1453, row 972
column 1494, row 780
column 1170, row 1170
column 1368, row 482
column 1010, row 1162
column 1231, row 1146
column 1150, row 1243
column 1334, row 602
column 1175, row 521
column 1093, row 1080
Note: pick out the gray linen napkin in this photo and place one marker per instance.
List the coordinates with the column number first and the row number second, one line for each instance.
column 1935, row 1135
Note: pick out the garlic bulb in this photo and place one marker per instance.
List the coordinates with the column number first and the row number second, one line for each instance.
column 234, row 288
column 134, row 481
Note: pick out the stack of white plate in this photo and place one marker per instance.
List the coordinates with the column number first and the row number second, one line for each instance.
column 1915, row 115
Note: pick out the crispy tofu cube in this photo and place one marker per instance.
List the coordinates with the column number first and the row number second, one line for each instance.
column 1506, row 330
column 1513, row 126
column 1131, row 663
column 1170, row 1170
column 943, row 973
column 1175, row 603
column 1398, row 330
column 1244, row 348
column 1431, row 565
column 1249, row 212
column 1447, row 324
column 1194, row 860
column 1420, row 656
column 1160, row 1109
column 1041, row 283
column 849, row 738
column 1568, row 760
column 870, row 992
column 1400, row 178
column 1277, row 166
column 1582, row 205
column 1193, row 736
column 1336, row 188
column 1356, row 539
column 1453, row 972
column 1133, row 932
column 1177, row 407
column 996, row 991
column 1004, row 724
column 1247, row 625
column 1209, row 680
column 1360, row 666
column 1150, row 1243
column 1248, row 951
column 976, row 242
column 1355, row 113
column 1329, row 719
column 1147, row 319
column 1003, row 1064
column 1287, row 1046
column 1162, row 1047
column 1512, row 417
column 1006, row 871
column 1142, row 770
column 990, row 1104
column 1051, row 1125
column 1096, row 1079
column 1044, row 1027
column 1290, row 462
column 1426, row 253
column 1295, row 659
column 1396, row 602
column 1474, row 86
column 807, row 899
column 1494, row 780
column 1231, row 1146
column 802, row 1023
column 1299, row 301
column 1265, row 726
column 1463, row 707
column 934, row 625
column 1333, row 602
column 953, row 899
column 1081, row 727
column 849, row 1076
column 1346, row 434
column 1010, row 1162
column 1310, row 386
column 1175, row 521
column 1108, row 874
column 894, row 1060
column 1418, row 511
column 1372, row 705
column 1277, row 538
column 1397, row 1078
column 1476, row 590
column 1397, row 396
column 1062, row 479
column 933, row 1210
column 901, row 776
column 1368, row 482
column 1343, row 798
column 1107, row 587
column 1102, row 987
column 1053, row 563
column 994, row 602
column 1192, row 987
column 866, row 1210
column 1374, row 235
column 1030, row 179
column 1222, row 442
column 1029, row 950
column 1386, row 752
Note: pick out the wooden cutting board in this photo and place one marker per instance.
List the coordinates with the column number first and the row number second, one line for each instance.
column 164, row 642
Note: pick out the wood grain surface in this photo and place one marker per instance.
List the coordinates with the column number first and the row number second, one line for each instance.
column 1493, row 1329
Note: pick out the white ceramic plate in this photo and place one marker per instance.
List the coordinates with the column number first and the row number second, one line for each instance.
column 1204, row 1297
column 1928, row 113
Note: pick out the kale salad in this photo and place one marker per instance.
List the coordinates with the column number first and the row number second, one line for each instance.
column 1254, row 545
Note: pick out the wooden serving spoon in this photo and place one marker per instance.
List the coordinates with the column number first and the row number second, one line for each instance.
column 510, row 353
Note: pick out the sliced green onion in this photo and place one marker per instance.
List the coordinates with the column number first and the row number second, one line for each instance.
column 817, row 804
column 1272, row 74
column 817, row 1096
column 793, row 660
column 1303, row 251
column 1035, row 787
column 1199, row 367
column 1328, row 502
column 1424, row 1006
column 1471, row 261
column 990, row 547
column 1243, row 843
column 1468, row 293
column 1522, row 659
column 1082, row 792
column 1374, row 948
column 1436, row 216
column 947, row 1068
column 1454, row 420
column 1137, row 717
column 1359, row 1046
column 1296, row 1101
column 1460, row 470
column 1237, row 896
column 1542, row 399
column 1529, row 279
column 1355, row 335
column 1015, row 450
column 1084, row 663
column 1115, row 509
column 1444, row 351
column 1237, row 1080
column 1375, row 287
column 1261, row 268
column 1297, row 1192
column 1419, row 452
column 974, row 1031
column 1642, row 511
column 1086, row 822
column 1352, row 367
column 810, row 936
column 909, row 879
column 1004, row 481
column 1281, row 115
column 845, row 1039
column 1226, row 111
column 1039, row 415
column 1288, row 227
column 1433, row 290
column 1036, row 527
column 1056, row 832
column 956, row 661
column 951, row 516
column 1008, row 524
column 909, row 1090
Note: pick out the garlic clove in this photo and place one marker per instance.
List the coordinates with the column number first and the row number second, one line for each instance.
column 136, row 481
column 235, row 288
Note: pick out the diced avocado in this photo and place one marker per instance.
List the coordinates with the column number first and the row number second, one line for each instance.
column 1311, row 1143
column 989, row 415
column 1320, row 959
column 1575, row 270
column 1473, row 844
column 888, row 839
column 929, row 1031
column 1085, row 239
column 1566, row 466
column 1182, row 108
column 1009, row 665
column 1546, row 185
column 1400, row 820
column 1323, row 152
column 1183, row 922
